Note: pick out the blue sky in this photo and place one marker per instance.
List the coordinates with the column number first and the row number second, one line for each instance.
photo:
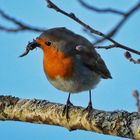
column 24, row 77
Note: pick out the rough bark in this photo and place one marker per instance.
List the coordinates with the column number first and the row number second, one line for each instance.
column 116, row 123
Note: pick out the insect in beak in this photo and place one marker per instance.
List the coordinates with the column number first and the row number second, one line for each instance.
column 31, row 46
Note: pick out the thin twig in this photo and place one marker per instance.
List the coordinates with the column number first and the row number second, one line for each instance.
column 127, row 54
column 93, row 36
column 129, row 57
column 105, row 47
column 121, row 22
column 19, row 25
column 106, row 10
column 6, row 29
column 135, row 94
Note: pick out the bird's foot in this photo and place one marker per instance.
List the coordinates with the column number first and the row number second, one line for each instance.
column 66, row 109
column 89, row 109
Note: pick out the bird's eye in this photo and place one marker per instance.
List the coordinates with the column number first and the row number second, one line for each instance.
column 48, row 43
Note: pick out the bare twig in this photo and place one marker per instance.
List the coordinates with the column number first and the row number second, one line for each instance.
column 130, row 58
column 90, row 34
column 121, row 23
column 135, row 94
column 127, row 54
column 116, row 123
column 72, row 16
column 105, row 47
column 107, row 10
column 19, row 25
column 6, row 29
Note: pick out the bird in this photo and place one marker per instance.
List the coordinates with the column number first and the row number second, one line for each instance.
column 71, row 63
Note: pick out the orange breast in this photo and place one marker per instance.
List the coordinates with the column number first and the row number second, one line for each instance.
column 57, row 64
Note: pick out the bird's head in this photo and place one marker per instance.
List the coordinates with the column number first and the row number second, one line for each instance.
column 62, row 40
column 59, row 39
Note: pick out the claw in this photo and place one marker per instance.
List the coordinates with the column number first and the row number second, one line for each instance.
column 67, row 107
column 66, row 110
column 31, row 45
column 89, row 108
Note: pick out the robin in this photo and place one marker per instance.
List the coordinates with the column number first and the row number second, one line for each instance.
column 71, row 63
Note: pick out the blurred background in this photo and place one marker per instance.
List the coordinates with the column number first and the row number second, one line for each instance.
column 24, row 77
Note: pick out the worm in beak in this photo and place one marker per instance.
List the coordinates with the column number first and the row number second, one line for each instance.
column 31, row 46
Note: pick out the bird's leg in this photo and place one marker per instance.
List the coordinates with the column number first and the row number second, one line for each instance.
column 66, row 107
column 89, row 108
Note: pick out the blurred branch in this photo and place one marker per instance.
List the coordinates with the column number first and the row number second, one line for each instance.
column 130, row 58
column 107, row 10
column 127, row 54
column 135, row 94
column 93, row 36
column 117, row 123
column 105, row 47
column 72, row 16
column 125, row 17
column 122, row 21
column 19, row 25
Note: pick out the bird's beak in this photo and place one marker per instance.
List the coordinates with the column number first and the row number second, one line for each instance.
column 31, row 46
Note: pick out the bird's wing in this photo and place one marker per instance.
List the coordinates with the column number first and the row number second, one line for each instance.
column 92, row 60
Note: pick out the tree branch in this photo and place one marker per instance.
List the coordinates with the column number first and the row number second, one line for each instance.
column 129, row 57
column 136, row 95
column 105, row 47
column 106, row 10
column 120, row 23
column 117, row 123
column 19, row 25
column 72, row 16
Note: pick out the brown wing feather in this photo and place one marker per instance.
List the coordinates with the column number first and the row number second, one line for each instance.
column 93, row 61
